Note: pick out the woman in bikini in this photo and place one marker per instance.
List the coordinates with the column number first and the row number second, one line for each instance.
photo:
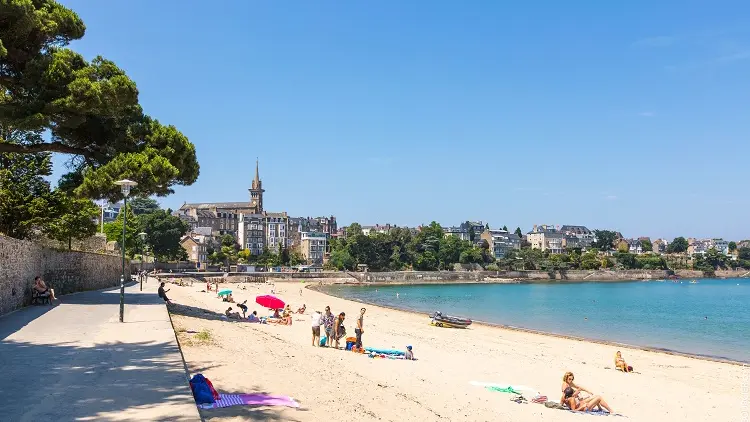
column 620, row 363
column 571, row 397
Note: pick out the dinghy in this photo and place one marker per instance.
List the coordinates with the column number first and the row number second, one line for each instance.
column 440, row 320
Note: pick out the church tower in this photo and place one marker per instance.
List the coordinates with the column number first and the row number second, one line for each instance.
column 256, row 193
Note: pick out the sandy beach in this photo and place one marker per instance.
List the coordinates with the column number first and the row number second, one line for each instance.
column 337, row 385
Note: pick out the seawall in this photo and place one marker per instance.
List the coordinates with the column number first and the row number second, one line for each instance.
column 426, row 277
column 65, row 271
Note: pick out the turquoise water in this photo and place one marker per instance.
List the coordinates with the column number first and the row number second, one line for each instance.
column 711, row 318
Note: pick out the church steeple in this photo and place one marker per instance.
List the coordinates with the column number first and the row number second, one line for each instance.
column 256, row 192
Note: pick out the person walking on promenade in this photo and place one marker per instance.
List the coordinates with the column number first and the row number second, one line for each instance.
column 360, row 330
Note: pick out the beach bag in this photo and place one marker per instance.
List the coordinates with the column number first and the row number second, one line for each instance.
column 323, row 341
column 554, row 405
column 203, row 391
column 539, row 399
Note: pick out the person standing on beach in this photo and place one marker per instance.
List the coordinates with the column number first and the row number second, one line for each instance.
column 339, row 330
column 316, row 321
column 360, row 330
column 328, row 325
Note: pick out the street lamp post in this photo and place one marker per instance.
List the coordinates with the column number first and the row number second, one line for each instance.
column 142, row 235
column 125, row 186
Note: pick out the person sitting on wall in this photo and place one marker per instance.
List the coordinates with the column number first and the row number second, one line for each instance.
column 42, row 290
column 163, row 293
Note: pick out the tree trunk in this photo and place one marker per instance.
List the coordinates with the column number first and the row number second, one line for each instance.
column 70, row 243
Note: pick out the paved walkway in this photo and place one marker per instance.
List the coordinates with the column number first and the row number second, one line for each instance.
column 76, row 361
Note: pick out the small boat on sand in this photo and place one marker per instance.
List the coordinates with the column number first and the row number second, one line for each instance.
column 440, row 320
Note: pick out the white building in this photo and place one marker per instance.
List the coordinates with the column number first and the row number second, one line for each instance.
column 721, row 246
column 313, row 246
column 546, row 238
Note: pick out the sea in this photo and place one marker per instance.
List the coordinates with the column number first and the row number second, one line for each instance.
column 709, row 318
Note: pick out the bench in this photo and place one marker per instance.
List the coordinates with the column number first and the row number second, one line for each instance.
column 39, row 298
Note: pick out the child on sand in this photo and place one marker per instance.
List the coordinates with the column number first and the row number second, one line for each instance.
column 408, row 355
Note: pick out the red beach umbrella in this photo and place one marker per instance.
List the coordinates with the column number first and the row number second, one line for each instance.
column 269, row 301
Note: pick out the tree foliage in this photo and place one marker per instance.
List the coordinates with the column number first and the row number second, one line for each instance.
column 605, row 239
column 163, row 233
column 113, row 230
column 678, row 245
column 142, row 205
column 26, row 200
column 744, row 253
column 89, row 109
column 76, row 220
column 398, row 249
column 646, row 245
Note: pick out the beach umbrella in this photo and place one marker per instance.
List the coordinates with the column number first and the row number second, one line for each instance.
column 225, row 292
column 269, row 301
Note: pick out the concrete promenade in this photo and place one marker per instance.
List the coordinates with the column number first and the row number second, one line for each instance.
column 76, row 361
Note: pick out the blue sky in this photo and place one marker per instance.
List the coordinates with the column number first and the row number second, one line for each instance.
column 630, row 116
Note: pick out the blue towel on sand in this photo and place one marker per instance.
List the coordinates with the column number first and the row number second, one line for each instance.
column 384, row 351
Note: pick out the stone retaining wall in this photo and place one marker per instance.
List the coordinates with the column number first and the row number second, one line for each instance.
column 491, row 276
column 65, row 271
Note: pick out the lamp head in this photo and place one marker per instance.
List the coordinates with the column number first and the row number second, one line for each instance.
column 125, row 186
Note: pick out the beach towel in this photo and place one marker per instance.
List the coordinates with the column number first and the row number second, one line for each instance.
column 228, row 400
column 593, row 412
column 395, row 357
column 529, row 391
column 503, row 390
column 384, row 351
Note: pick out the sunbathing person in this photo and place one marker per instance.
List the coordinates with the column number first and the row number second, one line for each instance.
column 41, row 287
column 253, row 317
column 275, row 318
column 286, row 316
column 232, row 315
column 620, row 363
column 571, row 396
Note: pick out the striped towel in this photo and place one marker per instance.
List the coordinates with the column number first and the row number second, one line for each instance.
column 539, row 399
column 227, row 400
